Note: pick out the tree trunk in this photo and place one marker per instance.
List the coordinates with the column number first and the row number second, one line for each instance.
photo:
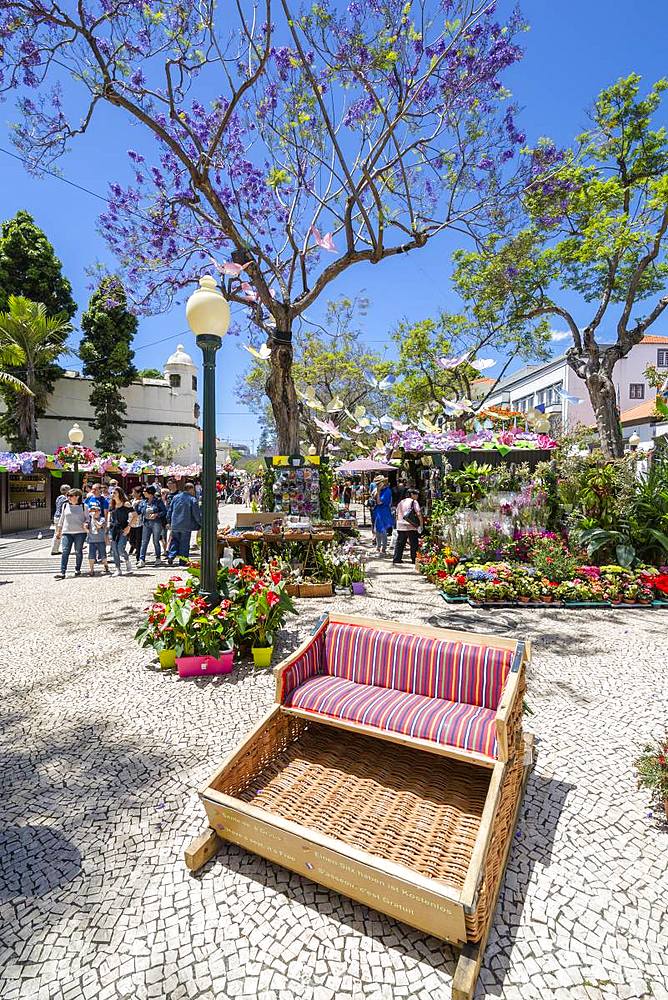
column 281, row 391
column 603, row 397
column 30, row 382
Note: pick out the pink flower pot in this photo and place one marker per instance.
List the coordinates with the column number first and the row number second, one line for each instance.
column 199, row 666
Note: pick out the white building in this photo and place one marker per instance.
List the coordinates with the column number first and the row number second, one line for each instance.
column 156, row 407
column 538, row 384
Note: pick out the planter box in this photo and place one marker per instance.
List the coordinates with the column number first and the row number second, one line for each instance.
column 198, row 666
column 453, row 600
column 292, row 589
column 316, row 589
column 419, row 836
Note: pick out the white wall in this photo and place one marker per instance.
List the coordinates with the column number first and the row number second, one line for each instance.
column 154, row 409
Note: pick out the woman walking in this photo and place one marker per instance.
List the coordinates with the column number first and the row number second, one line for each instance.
column 383, row 521
column 72, row 531
column 119, row 523
column 136, row 522
column 409, row 523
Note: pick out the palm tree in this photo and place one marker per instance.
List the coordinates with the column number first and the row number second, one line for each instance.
column 29, row 341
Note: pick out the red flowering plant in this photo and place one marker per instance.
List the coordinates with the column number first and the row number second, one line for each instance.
column 652, row 768
column 265, row 609
column 181, row 620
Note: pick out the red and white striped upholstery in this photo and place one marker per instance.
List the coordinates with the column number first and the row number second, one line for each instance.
column 310, row 663
column 468, row 727
column 433, row 689
column 417, row 664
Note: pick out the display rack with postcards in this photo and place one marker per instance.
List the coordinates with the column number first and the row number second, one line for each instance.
column 296, row 485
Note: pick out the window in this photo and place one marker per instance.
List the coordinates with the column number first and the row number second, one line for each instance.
column 194, row 383
column 175, row 381
column 196, row 411
column 637, row 390
column 523, row 404
column 662, row 359
column 549, row 395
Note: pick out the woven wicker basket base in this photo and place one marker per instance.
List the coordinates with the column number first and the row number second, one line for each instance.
column 407, row 806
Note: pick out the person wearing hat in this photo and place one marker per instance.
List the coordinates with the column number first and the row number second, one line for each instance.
column 409, row 523
column 154, row 513
column 381, row 514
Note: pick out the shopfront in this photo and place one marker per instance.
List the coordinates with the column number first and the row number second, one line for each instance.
column 25, row 500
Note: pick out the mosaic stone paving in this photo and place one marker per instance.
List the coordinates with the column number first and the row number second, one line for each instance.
column 101, row 754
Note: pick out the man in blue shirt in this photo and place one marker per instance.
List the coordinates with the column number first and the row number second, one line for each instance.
column 184, row 518
column 96, row 497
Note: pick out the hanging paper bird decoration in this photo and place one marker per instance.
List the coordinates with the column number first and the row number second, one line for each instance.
column 482, row 364
column 449, row 363
column 568, row 398
column 263, row 354
column 325, row 242
column 382, row 383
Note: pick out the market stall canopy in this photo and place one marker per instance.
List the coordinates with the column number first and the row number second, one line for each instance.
column 366, row 465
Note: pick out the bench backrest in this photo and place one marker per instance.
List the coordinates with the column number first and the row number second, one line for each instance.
column 456, row 671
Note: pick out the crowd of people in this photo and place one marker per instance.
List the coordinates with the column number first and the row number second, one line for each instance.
column 116, row 526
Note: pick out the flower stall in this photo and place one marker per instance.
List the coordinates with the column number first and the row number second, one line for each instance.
column 580, row 533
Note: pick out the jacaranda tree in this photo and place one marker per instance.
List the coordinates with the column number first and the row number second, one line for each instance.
column 280, row 135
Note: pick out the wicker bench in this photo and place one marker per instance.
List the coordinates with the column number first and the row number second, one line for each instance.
column 454, row 693
column 343, row 792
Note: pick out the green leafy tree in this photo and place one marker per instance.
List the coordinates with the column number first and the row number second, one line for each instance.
column 424, row 384
column 30, row 269
column 107, row 357
column 162, row 452
column 30, row 341
column 150, row 373
column 594, row 221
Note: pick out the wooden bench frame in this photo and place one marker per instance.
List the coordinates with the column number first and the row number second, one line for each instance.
column 507, row 703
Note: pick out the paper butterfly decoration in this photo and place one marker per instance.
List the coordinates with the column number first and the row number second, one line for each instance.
column 427, row 426
column 449, row 363
column 249, row 291
column 382, row 383
column 482, row 364
column 329, row 427
column 325, row 242
column 262, row 355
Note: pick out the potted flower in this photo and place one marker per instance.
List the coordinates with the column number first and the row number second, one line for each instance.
column 262, row 615
column 630, row 591
column 157, row 635
column 203, row 636
column 652, row 768
column 524, row 589
column 567, row 591
column 477, row 592
column 613, row 591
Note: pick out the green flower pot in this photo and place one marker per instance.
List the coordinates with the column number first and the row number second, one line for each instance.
column 167, row 659
column 262, row 655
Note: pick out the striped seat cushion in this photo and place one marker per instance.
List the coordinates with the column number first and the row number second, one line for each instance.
column 468, row 727
column 417, row 664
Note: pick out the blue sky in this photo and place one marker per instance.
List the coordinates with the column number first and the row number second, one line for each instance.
column 573, row 50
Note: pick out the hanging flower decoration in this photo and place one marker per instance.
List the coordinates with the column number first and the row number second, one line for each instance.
column 67, row 454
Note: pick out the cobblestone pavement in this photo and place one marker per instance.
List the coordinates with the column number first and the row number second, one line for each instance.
column 101, row 754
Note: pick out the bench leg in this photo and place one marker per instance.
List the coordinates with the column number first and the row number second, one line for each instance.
column 202, row 849
column 471, row 955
